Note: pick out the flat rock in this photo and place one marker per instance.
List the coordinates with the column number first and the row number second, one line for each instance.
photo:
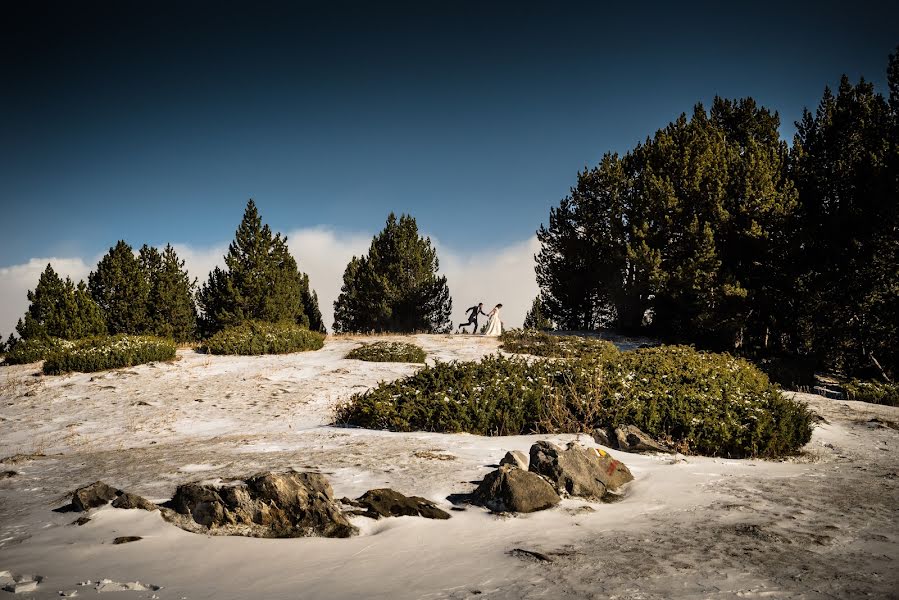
column 128, row 501
column 629, row 438
column 127, row 539
column 385, row 502
column 92, row 496
column 510, row 489
column 515, row 458
column 579, row 471
column 269, row 505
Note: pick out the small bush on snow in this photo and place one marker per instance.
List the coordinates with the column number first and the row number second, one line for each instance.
column 388, row 352
column 108, row 352
column 34, row 350
column 259, row 337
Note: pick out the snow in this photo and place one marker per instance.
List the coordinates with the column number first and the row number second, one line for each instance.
column 819, row 525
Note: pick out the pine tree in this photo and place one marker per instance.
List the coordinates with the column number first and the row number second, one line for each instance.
column 310, row 306
column 60, row 309
column 536, row 318
column 395, row 287
column 170, row 305
column 120, row 289
column 260, row 280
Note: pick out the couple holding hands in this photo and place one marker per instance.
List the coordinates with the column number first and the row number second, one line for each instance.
column 494, row 324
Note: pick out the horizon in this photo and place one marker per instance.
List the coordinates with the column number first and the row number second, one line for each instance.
column 156, row 124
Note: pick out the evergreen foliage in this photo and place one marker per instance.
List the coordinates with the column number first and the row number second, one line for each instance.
column 395, row 287
column 710, row 404
column 107, row 352
column 121, row 290
column 715, row 232
column 402, row 352
column 25, row 351
column 60, row 309
column 252, row 338
column 260, row 280
column 536, row 318
column 310, row 306
column 171, row 311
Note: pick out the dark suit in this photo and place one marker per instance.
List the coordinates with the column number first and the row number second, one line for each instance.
column 473, row 317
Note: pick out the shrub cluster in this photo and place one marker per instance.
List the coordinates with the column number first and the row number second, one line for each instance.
column 710, row 404
column 108, row 352
column 402, row 352
column 875, row 392
column 33, row 350
column 539, row 343
column 260, row 337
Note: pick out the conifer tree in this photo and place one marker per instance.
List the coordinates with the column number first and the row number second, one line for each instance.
column 536, row 318
column 170, row 305
column 310, row 306
column 395, row 287
column 60, row 309
column 260, row 280
column 120, row 289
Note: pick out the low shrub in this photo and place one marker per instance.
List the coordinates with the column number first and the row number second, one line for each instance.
column 710, row 404
column 259, row 337
column 539, row 343
column 402, row 352
column 34, row 350
column 108, row 352
column 875, row 392
column 789, row 372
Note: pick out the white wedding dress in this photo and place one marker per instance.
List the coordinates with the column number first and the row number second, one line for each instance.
column 494, row 324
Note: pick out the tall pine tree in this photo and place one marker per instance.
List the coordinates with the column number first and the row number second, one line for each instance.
column 260, row 280
column 121, row 290
column 395, row 287
column 536, row 318
column 171, row 310
column 60, row 309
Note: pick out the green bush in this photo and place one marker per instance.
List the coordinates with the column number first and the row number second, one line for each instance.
column 34, row 350
column 402, row 352
column 875, row 392
column 710, row 404
column 259, row 337
column 539, row 343
column 108, row 352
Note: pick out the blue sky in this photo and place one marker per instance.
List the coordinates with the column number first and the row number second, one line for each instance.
column 155, row 123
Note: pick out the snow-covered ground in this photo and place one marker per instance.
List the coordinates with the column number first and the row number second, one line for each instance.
column 822, row 525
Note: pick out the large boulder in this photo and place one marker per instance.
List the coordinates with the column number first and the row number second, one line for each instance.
column 92, row 496
column 515, row 458
column 271, row 505
column 579, row 471
column 385, row 502
column 510, row 489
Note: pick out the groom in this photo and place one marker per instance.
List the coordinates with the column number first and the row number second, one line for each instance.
column 473, row 317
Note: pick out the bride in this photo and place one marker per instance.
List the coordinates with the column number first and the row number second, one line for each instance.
column 494, row 324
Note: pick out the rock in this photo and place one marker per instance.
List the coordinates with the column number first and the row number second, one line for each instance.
column 510, row 489
column 92, row 496
column 515, row 458
column 605, row 437
column 7, row 474
column 631, row 439
column 385, row 502
column 125, row 539
column 126, row 500
column 270, row 505
column 81, row 521
column 577, row 470
column 19, row 584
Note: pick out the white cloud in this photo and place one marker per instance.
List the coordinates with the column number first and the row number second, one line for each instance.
column 15, row 281
column 504, row 274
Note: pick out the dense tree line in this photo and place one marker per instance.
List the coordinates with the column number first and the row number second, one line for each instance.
column 395, row 287
column 715, row 231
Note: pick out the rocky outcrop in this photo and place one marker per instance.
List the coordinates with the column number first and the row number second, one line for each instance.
column 92, row 496
column 578, row 471
column 385, row 502
column 628, row 438
column 126, row 500
column 510, row 489
column 271, row 505
column 515, row 458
